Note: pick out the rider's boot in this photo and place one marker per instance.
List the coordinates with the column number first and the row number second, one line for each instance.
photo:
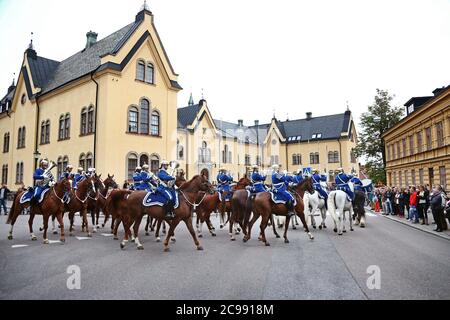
column 290, row 208
column 169, row 212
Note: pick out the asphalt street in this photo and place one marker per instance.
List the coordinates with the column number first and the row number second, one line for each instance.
column 412, row 264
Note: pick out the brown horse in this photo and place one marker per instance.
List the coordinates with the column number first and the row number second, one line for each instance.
column 187, row 194
column 51, row 205
column 78, row 202
column 212, row 203
column 264, row 207
column 104, row 188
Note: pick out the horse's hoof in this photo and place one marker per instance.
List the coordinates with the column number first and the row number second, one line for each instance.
column 200, row 235
column 294, row 228
column 345, row 231
column 41, row 229
column 122, row 246
column 166, row 249
column 340, row 233
column 46, row 241
column 140, row 247
column 213, row 228
column 63, row 241
column 362, row 225
column 94, row 231
column 245, row 240
column 296, row 224
column 133, row 240
column 33, row 238
column 320, row 227
column 10, row 237
column 213, row 235
column 233, row 239
column 311, row 237
column 147, row 234
column 173, row 240
column 238, row 230
column 89, row 235
column 115, row 238
column 324, row 227
column 352, row 229
column 286, row 241
column 103, row 225
column 335, row 230
column 158, row 240
column 267, row 244
column 199, row 248
column 278, row 236
column 314, row 227
column 55, row 232
column 221, row 226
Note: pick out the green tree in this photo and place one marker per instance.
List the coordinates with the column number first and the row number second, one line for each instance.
column 381, row 116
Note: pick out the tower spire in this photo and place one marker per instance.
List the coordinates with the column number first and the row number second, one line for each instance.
column 145, row 6
column 191, row 101
column 31, row 46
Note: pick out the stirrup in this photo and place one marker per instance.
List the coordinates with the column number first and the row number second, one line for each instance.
column 170, row 215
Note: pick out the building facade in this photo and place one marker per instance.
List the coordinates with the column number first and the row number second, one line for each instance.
column 113, row 106
column 418, row 147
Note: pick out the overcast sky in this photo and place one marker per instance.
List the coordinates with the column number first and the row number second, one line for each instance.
column 254, row 56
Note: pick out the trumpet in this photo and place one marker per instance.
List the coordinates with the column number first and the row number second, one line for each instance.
column 47, row 171
column 174, row 165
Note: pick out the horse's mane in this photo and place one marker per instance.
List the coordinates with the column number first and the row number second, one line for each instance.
column 188, row 184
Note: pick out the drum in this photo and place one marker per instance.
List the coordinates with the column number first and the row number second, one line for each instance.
column 367, row 185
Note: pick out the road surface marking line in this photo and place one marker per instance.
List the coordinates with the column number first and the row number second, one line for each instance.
column 53, row 241
column 19, row 246
column 83, row 238
column 107, row 235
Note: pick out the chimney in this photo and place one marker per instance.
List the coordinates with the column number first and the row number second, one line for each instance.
column 308, row 115
column 240, row 123
column 438, row 91
column 91, row 39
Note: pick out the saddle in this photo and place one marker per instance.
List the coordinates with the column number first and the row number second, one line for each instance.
column 29, row 195
column 277, row 198
column 227, row 198
column 152, row 199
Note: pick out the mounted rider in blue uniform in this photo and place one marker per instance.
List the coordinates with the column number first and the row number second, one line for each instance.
column 357, row 183
column 317, row 178
column 166, row 189
column 297, row 178
column 67, row 174
column 280, row 182
column 42, row 179
column 257, row 180
column 137, row 179
column 91, row 172
column 149, row 180
column 224, row 181
column 79, row 176
column 342, row 179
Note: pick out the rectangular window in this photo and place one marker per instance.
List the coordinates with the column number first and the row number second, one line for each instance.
column 90, row 122
column 247, row 160
column 388, row 149
column 314, row 158
column 398, row 150
column 406, row 178
column 442, row 177
column 132, row 164
column 413, row 177
column 421, row 181
column 404, row 146
column 428, row 137
column 400, row 178
column 5, row 174
column 440, row 134
column 88, row 163
column 411, row 145
column 61, row 129
column 395, row 178
column 419, row 141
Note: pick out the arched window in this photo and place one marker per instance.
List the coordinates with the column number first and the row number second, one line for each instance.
column 67, row 126
column 65, row 162
column 5, row 174
column 47, row 131
column 226, row 154
column 180, row 151
column 132, row 163
column 43, row 130
column 154, row 163
column 6, row 142
column 82, row 161
column 90, row 120
column 140, row 70
column 143, row 159
column 133, row 120
column 89, row 161
column 60, row 167
column 83, row 129
column 155, row 123
column 145, row 116
column 21, row 138
column 149, row 73
column 61, row 127
column 19, row 173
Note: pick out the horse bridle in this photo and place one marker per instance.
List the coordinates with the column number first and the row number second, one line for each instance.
column 194, row 205
column 84, row 201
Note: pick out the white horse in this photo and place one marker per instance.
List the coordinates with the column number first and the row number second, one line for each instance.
column 338, row 205
column 314, row 203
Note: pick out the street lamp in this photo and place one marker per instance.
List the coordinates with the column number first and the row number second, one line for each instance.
column 257, row 144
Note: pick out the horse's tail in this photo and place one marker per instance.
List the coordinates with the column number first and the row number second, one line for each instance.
column 13, row 207
column 332, row 203
column 115, row 198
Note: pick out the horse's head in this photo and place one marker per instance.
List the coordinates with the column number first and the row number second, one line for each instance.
column 306, row 185
column 243, row 183
column 180, row 180
column 110, row 183
column 65, row 184
column 204, row 184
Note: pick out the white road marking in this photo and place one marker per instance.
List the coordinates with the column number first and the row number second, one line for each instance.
column 19, row 246
column 53, row 241
column 370, row 214
column 83, row 238
column 107, row 234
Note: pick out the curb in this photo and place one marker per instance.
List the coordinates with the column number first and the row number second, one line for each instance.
column 436, row 234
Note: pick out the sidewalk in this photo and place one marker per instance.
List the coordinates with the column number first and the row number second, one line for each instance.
column 428, row 229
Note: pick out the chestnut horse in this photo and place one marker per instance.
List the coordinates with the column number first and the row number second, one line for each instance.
column 78, row 202
column 187, row 195
column 264, row 207
column 104, row 188
column 212, row 203
column 51, row 205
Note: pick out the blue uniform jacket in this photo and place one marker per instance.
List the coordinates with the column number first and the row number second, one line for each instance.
column 224, row 181
column 258, row 182
column 147, row 181
column 316, row 179
column 163, row 188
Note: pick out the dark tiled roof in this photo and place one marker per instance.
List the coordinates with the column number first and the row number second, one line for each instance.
column 187, row 115
column 42, row 70
column 330, row 127
column 87, row 60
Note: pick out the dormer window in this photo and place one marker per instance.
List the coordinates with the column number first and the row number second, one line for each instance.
column 145, row 72
column 314, row 136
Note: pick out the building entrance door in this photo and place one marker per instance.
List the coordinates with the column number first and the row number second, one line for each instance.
column 430, row 177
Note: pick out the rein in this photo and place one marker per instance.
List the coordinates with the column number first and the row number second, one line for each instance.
column 56, row 195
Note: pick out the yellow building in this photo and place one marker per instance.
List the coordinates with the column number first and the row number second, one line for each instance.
column 113, row 106
column 205, row 144
column 418, row 147
column 108, row 106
